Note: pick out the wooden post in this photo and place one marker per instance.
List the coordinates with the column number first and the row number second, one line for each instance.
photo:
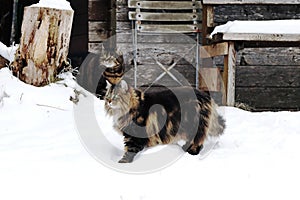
column 44, row 44
column 207, row 22
column 229, row 76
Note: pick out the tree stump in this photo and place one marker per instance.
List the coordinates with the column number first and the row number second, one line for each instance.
column 44, row 44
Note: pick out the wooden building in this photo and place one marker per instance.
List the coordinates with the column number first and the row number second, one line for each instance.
column 267, row 79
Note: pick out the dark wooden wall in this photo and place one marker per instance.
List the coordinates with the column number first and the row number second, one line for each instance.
column 5, row 21
column 102, row 22
column 79, row 34
column 6, row 13
column 267, row 78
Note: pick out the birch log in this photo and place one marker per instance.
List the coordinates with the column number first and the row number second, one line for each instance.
column 44, row 44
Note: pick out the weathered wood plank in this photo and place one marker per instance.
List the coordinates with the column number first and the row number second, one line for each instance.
column 262, row 76
column 98, row 31
column 269, row 98
column 270, row 57
column 210, row 51
column 123, row 27
column 122, row 13
column 218, row 2
column 99, row 10
column 126, row 37
column 230, row 68
column 122, row 2
column 163, row 53
column 257, row 37
column 226, row 13
column 210, row 79
column 152, row 16
column 267, row 57
column 148, row 73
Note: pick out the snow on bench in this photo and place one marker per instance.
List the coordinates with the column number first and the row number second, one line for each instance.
column 270, row 30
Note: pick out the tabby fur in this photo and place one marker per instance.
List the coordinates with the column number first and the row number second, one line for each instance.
column 158, row 116
column 97, row 68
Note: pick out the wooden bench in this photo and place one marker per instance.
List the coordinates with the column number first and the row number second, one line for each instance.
column 224, row 41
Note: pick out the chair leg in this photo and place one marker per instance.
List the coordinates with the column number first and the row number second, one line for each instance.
column 229, row 76
column 197, row 62
column 134, row 42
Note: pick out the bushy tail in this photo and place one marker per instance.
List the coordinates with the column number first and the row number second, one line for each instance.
column 216, row 122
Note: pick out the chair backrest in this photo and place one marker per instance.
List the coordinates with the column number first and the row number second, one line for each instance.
column 166, row 16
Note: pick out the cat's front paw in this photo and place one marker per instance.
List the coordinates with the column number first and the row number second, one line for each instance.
column 127, row 157
column 194, row 150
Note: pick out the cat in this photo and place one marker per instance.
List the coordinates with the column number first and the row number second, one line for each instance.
column 160, row 115
column 97, row 68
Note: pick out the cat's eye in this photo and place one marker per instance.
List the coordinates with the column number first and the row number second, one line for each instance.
column 115, row 96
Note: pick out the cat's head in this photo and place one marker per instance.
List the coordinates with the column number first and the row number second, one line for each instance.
column 117, row 97
column 114, row 66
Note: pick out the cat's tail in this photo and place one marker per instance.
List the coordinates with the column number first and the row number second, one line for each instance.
column 216, row 124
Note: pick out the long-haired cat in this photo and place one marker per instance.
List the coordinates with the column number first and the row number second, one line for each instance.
column 162, row 116
column 108, row 63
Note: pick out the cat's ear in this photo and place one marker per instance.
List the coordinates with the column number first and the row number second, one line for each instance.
column 108, row 85
column 124, row 85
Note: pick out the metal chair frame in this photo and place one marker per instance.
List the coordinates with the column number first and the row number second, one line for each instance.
column 181, row 22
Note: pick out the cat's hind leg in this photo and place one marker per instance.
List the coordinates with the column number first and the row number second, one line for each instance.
column 196, row 145
column 191, row 147
column 195, row 149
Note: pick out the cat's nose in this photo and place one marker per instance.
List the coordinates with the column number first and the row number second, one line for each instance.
column 108, row 100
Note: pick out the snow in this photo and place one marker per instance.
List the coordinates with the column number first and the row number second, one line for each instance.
column 42, row 155
column 8, row 52
column 57, row 4
column 263, row 27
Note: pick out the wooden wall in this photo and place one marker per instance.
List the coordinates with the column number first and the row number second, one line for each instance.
column 267, row 78
column 102, row 22
column 5, row 21
column 79, row 34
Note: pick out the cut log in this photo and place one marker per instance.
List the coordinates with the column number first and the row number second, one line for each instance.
column 44, row 44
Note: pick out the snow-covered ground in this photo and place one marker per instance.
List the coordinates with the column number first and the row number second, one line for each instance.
column 42, row 157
